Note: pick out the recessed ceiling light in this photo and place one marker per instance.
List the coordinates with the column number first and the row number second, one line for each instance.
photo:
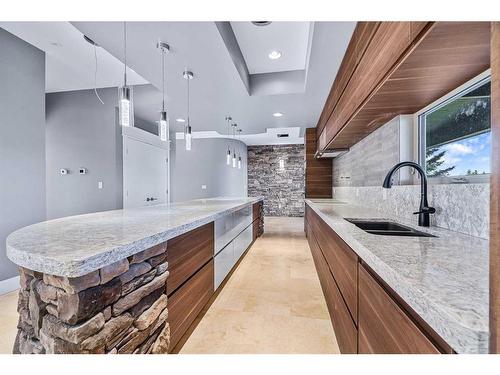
column 180, row 120
column 261, row 23
column 274, row 55
column 277, row 114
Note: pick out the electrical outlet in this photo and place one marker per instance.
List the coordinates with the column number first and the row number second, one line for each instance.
column 203, row 187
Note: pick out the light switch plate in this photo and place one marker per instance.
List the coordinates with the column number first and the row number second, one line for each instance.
column 203, row 187
column 99, row 185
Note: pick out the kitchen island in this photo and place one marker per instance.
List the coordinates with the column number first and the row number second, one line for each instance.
column 99, row 283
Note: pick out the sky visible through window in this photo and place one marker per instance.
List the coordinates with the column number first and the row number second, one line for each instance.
column 468, row 156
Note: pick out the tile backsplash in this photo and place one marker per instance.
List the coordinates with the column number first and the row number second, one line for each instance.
column 461, row 208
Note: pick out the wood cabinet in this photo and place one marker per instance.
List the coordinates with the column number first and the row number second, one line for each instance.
column 367, row 315
column 344, row 327
column 343, row 262
column 393, row 68
column 187, row 253
column 188, row 301
column 318, row 172
column 384, row 328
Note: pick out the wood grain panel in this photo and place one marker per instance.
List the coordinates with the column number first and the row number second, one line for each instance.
column 383, row 327
column 495, row 191
column 345, row 330
column 188, row 301
column 360, row 40
column 442, row 58
column 318, row 172
column 343, row 262
column 256, row 211
column 187, row 253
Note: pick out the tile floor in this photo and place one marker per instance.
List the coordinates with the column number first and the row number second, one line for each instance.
column 272, row 302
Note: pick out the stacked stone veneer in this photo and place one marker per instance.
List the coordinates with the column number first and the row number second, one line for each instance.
column 282, row 188
column 120, row 308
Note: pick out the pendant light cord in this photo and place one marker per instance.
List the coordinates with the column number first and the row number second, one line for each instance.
column 188, row 124
column 95, row 75
column 125, row 50
column 163, row 78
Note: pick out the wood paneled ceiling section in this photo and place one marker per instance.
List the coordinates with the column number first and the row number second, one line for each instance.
column 435, row 59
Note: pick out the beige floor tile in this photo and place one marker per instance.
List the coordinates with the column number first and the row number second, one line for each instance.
column 8, row 321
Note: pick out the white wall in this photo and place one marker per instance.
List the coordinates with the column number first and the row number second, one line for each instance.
column 206, row 165
column 22, row 140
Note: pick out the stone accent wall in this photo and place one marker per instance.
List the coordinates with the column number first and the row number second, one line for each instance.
column 118, row 309
column 283, row 188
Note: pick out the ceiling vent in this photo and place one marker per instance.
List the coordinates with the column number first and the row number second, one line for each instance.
column 261, row 23
column 282, row 135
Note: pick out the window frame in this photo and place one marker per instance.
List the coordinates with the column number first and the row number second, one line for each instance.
column 419, row 131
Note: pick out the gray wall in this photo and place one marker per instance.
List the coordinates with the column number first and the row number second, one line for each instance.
column 284, row 190
column 82, row 132
column 22, row 140
column 206, row 165
column 369, row 160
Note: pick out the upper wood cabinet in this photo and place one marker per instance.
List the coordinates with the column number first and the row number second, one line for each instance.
column 318, row 172
column 393, row 68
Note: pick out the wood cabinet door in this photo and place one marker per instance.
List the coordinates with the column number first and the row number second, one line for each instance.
column 344, row 327
column 187, row 302
column 187, row 253
column 384, row 328
column 343, row 262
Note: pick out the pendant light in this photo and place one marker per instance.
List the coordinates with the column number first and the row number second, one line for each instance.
column 234, row 149
column 188, row 76
column 163, row 123
column 125, row 105
column 228, row 155
column 239, row 155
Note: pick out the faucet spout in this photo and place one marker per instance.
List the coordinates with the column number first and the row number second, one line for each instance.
column 424, row 209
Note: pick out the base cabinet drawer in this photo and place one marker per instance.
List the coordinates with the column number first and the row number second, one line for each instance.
column 343, row 325
column 384, row 328
column 242, row 242
column 187, row 253
column 342, row 260
column 224, row 262
column 187, row 302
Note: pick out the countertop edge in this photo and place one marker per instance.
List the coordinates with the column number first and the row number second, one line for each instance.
column 451, row 330
column 82, row 267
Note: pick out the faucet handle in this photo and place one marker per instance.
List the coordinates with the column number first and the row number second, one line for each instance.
column 426, row 210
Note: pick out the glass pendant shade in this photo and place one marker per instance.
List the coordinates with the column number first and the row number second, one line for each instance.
column 239, row 162
column 234, row 160
column 125, row 107
column 188, row 138
column 163, row 126
column 228, row 157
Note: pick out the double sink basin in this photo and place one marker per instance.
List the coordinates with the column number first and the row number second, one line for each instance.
column 387, row 228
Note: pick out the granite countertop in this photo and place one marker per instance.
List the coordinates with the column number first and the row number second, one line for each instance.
column 444, row 279
column 76, row 245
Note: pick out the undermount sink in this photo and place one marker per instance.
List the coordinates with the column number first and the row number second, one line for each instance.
column 387, row 228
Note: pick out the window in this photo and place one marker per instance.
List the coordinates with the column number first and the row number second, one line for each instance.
column 455, row 134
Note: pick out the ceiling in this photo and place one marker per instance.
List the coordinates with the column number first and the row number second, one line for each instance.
column 291, row 39
column 70, row 60
column 217, row 89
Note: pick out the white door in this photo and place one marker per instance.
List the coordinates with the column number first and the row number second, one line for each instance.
column 145, row 173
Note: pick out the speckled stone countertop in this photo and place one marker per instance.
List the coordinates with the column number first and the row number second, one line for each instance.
column 76, row 245
column 444, row 278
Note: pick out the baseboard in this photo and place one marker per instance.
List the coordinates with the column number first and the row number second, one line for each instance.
column 9, row 285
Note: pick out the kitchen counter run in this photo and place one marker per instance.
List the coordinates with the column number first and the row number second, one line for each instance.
column 444, row 279
column 77, row 245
